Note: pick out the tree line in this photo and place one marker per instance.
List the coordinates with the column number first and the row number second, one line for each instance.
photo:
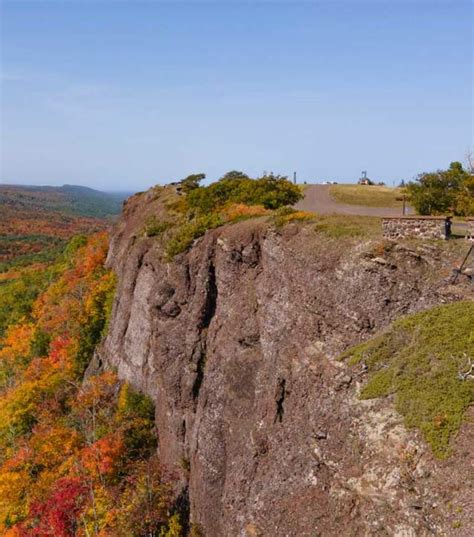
column 444, row 191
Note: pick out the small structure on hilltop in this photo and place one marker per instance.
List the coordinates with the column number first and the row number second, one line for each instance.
column 422, row 227
column 364, row 180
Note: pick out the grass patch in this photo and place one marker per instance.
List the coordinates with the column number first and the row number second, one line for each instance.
column 418, row 360
column 369, row 196
column 339, row 225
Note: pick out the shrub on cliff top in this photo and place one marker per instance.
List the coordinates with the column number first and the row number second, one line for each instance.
column 234, row 197
column 271, row 191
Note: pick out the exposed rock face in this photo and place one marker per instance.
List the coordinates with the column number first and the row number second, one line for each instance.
column 237, row 340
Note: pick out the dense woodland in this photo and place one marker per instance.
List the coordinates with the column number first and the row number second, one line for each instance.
column 77, row 454
column 37, row 222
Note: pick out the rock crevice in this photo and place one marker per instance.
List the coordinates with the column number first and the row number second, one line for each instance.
column 236, row 341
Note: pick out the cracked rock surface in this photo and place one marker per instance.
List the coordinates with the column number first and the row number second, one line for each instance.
column 237, row 342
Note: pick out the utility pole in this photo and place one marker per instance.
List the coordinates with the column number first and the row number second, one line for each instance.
column 294, row 178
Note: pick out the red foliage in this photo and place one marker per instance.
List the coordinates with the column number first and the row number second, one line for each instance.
column 59, row 348
column 58, row 514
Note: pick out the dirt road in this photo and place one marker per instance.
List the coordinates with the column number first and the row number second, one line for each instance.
column 318, row 200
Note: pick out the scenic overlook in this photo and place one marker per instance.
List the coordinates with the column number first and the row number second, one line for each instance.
column 237, row 268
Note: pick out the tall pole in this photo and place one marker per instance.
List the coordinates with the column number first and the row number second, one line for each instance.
column 294, row 177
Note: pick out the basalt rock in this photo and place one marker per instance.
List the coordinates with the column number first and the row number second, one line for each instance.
column 237, row 342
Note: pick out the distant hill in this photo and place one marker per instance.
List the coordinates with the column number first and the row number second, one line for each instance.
column 37, row 221
column 73, row 199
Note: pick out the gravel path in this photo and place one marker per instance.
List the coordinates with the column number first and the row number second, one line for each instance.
column 318, row 200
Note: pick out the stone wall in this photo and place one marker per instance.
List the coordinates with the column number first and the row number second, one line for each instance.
column 424, row 227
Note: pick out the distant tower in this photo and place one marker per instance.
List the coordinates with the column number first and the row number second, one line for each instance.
column 294, row 177
column 364, row 180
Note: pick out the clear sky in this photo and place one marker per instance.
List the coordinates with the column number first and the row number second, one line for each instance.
column 124, row 94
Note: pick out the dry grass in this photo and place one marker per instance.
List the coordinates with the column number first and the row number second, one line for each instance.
column 341, row 225
column 369, row 196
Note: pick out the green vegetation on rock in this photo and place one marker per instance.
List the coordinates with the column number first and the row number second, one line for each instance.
column 421, row 360
column 233, row 198
column 270, row 191
column 189, row 232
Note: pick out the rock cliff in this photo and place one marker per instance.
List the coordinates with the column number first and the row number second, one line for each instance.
column 237, row 341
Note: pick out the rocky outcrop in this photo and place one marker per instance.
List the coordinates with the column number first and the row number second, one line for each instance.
column 237, row 342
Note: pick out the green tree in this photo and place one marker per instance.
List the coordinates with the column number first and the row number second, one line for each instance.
column 465, row 198
column 235, row 174
column 441, row 191
column 191, row 182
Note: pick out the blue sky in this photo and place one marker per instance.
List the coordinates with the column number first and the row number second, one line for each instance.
column 125, row 94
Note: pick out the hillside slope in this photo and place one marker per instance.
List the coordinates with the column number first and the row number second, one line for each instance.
column 238, row 340
column 70, row 199
column 36, row 222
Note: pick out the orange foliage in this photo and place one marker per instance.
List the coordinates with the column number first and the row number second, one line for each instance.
column 66, row 443
column 16, row 343
column 235, row 211
column 102, row 457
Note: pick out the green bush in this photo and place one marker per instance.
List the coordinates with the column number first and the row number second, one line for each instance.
column 419, row 360
column 40, row 341
column 154, row 227
column 187, row 233
column 271, row 191
column 136, row 413
column 443, row 191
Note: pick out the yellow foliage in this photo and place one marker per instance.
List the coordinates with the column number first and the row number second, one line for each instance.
column 13, row 504
column 61, row 435
column 16, row 343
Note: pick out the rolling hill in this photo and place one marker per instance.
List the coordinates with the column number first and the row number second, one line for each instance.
column 36, row 221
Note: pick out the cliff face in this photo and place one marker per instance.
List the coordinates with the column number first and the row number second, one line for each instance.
column 236, row 341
